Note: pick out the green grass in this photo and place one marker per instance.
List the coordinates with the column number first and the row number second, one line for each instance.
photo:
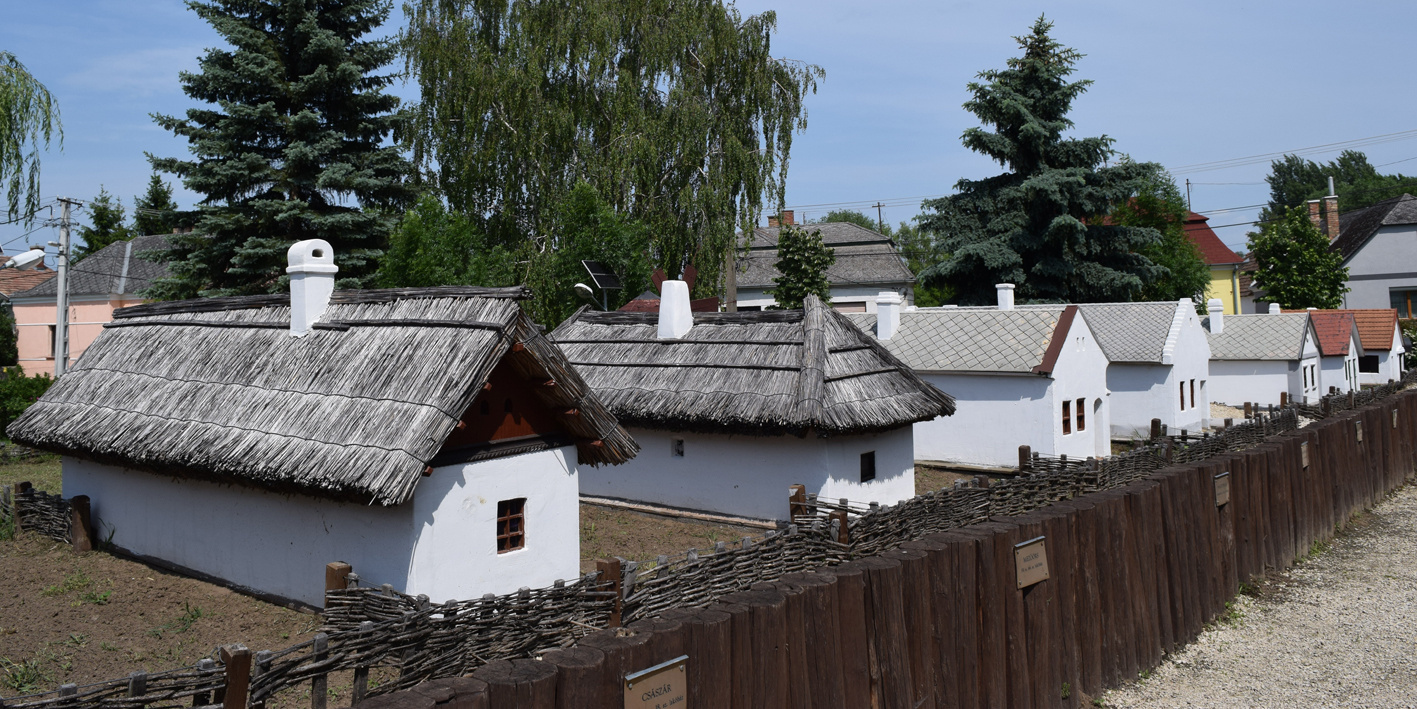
column 72, row 582
column 44, row 473
column 23, row 677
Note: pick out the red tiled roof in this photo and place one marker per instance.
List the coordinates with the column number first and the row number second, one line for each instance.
column 1334, row 328
column 1212, row 249
column 1375, row 327
column 651, row 305
column 13, row 280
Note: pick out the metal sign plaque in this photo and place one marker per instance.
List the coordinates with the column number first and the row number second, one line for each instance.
column 1358, row 430
column 663, row 686
column 1222, row 489
column 1031, row 562
column 1304, row 453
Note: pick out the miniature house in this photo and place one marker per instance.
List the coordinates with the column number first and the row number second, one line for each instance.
column 1381, row 340
column 1340, row 349
column 1158, row 364
column 1028, row 375
column 432, row 438
column 731, row 409
column 1256, row 358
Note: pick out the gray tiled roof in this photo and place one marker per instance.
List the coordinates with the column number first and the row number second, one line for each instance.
column 1130, row 332
column 1355, row 228
column 1259, row 336
column 970, row 339
column 863, row 257
column 115, row 269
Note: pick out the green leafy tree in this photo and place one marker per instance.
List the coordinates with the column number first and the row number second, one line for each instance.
column 290, row 147
column 435, row 247
column 1038, row 224
column 802, row 263
column 1294, row 181
column 1294, row 266
column 1158, row 205
column 919, row 248
column 106, row 225
column 18, row 391
column 29, row 117
column 9, row 337
column 154, row 212
column 675, row 112
column 854, row 217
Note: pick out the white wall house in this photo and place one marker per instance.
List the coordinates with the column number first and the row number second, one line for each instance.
column 1158, row 364
column 731, row 409
column 1382, row 359
column 867, row 264
column 1340, row 348
column 1026, row 375
column 1255, row 358
column 399, row 431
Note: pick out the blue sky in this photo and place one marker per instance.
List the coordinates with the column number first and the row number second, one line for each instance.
column 1176, row 83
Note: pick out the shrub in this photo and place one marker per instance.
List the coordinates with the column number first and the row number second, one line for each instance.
column 17, row 392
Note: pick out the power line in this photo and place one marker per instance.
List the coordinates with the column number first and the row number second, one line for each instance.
column 1267, row 157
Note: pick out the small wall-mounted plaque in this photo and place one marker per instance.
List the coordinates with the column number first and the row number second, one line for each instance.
column 660, row 687
column 1304, row 453
column 1031, row 562
column 1358, row 430
column 1222, row 489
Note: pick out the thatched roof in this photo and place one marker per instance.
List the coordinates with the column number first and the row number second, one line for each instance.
column 356, row 409
column 758, row 373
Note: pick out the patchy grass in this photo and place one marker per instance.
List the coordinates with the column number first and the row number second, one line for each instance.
column 607, row 532
column 43, row 472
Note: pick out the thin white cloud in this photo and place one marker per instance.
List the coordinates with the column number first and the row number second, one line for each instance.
column 141, row 71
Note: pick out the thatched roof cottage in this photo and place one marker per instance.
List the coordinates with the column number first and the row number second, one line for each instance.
column 1030, row 375
column 430, row 437
column 1158, row 363
column 733, row 408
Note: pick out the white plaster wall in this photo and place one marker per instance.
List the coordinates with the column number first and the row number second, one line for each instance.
column 1081, row 373
column 1337, row 370
column 1235, row 382
column 1389, row 363
column 277, row 544
column 1383, row 265
column 455, row 526
column 994, row 415
column 759, row 297
column 748, row 476
column 1140, row 393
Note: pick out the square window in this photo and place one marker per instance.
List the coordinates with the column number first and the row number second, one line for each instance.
column 676, row 448
column 1082, row 421
column 511, row 525
column 868, row 466
column 1067, row 417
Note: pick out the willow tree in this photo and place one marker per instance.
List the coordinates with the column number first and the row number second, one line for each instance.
column 29, row 117
column 676, row 113
column 1040, row 224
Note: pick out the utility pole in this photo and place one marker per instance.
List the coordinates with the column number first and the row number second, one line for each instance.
column 1188, row 194
column 61, row 267
column 880, row 221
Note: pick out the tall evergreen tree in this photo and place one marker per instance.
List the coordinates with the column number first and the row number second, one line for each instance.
column 291, row 147
column 1294, row 266
column 1039, row 224
column 1294, row 181
column 154, row 212
column 675, row 112
column 802, row 263
column 106, row 225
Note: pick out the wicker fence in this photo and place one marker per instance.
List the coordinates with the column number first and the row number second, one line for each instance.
column 414, row 640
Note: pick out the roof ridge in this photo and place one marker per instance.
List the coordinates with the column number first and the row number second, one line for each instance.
column 339, row 297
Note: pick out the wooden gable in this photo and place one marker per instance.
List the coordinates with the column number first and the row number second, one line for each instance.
column 506, row 418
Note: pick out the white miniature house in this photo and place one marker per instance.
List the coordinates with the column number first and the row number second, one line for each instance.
column 1255, row 358
column 731, row 409
column 1029, row 375
column 431, row 438
column 1158, row 364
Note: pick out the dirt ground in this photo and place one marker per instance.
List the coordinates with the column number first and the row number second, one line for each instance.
column 929, row 478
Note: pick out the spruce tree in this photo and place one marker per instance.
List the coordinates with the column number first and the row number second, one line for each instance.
column 1038, row 225
column 291, row 146
column 802, row 263
column 154, row 212
column 106, row 217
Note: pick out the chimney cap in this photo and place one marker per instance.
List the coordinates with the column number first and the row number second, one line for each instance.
column 311, row 256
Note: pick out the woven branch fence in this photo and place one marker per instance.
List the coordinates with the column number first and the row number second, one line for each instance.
column 416, row 640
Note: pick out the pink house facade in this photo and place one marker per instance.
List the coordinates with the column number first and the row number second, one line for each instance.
column 111, row 278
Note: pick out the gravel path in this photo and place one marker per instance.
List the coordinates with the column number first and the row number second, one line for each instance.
column 1340, row 629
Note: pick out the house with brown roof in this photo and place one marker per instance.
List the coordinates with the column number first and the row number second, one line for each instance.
column 867, row 263
column 1383, row 358
column 1225, row 265
column 1020, row 375
column 1340, row 348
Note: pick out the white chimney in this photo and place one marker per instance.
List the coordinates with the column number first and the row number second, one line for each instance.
column 888, row 306
column 312, row 272
column 1274, row 308
column 1217, row 314
column 675, row 317
column 1006, row 296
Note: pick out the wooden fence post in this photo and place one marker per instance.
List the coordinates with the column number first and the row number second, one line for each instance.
column 80, row 524
column 21, row 489
column 238, row 675
column 1155, row 429
column 843, row 532
column 1283, row 399
column 610, row 571
column 1025, row 456
column 319, row 686
column 797, row 502
column 336, row 576
column 361, row 672
column 1249, row 410
column 137, row 684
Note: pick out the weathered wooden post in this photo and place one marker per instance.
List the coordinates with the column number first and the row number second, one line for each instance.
column 1025, row 456
column 80, row 524
column 843, row 535
column 1155, row 429
column 361, row 672
column 610, row 571
column 336, row 573
column 237, row 660
column 1229, row 422
column 21, row 489
column 137, row 684
column 319, row 686
column 797, row 502
column 1249, row 410
column 1283, row 399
